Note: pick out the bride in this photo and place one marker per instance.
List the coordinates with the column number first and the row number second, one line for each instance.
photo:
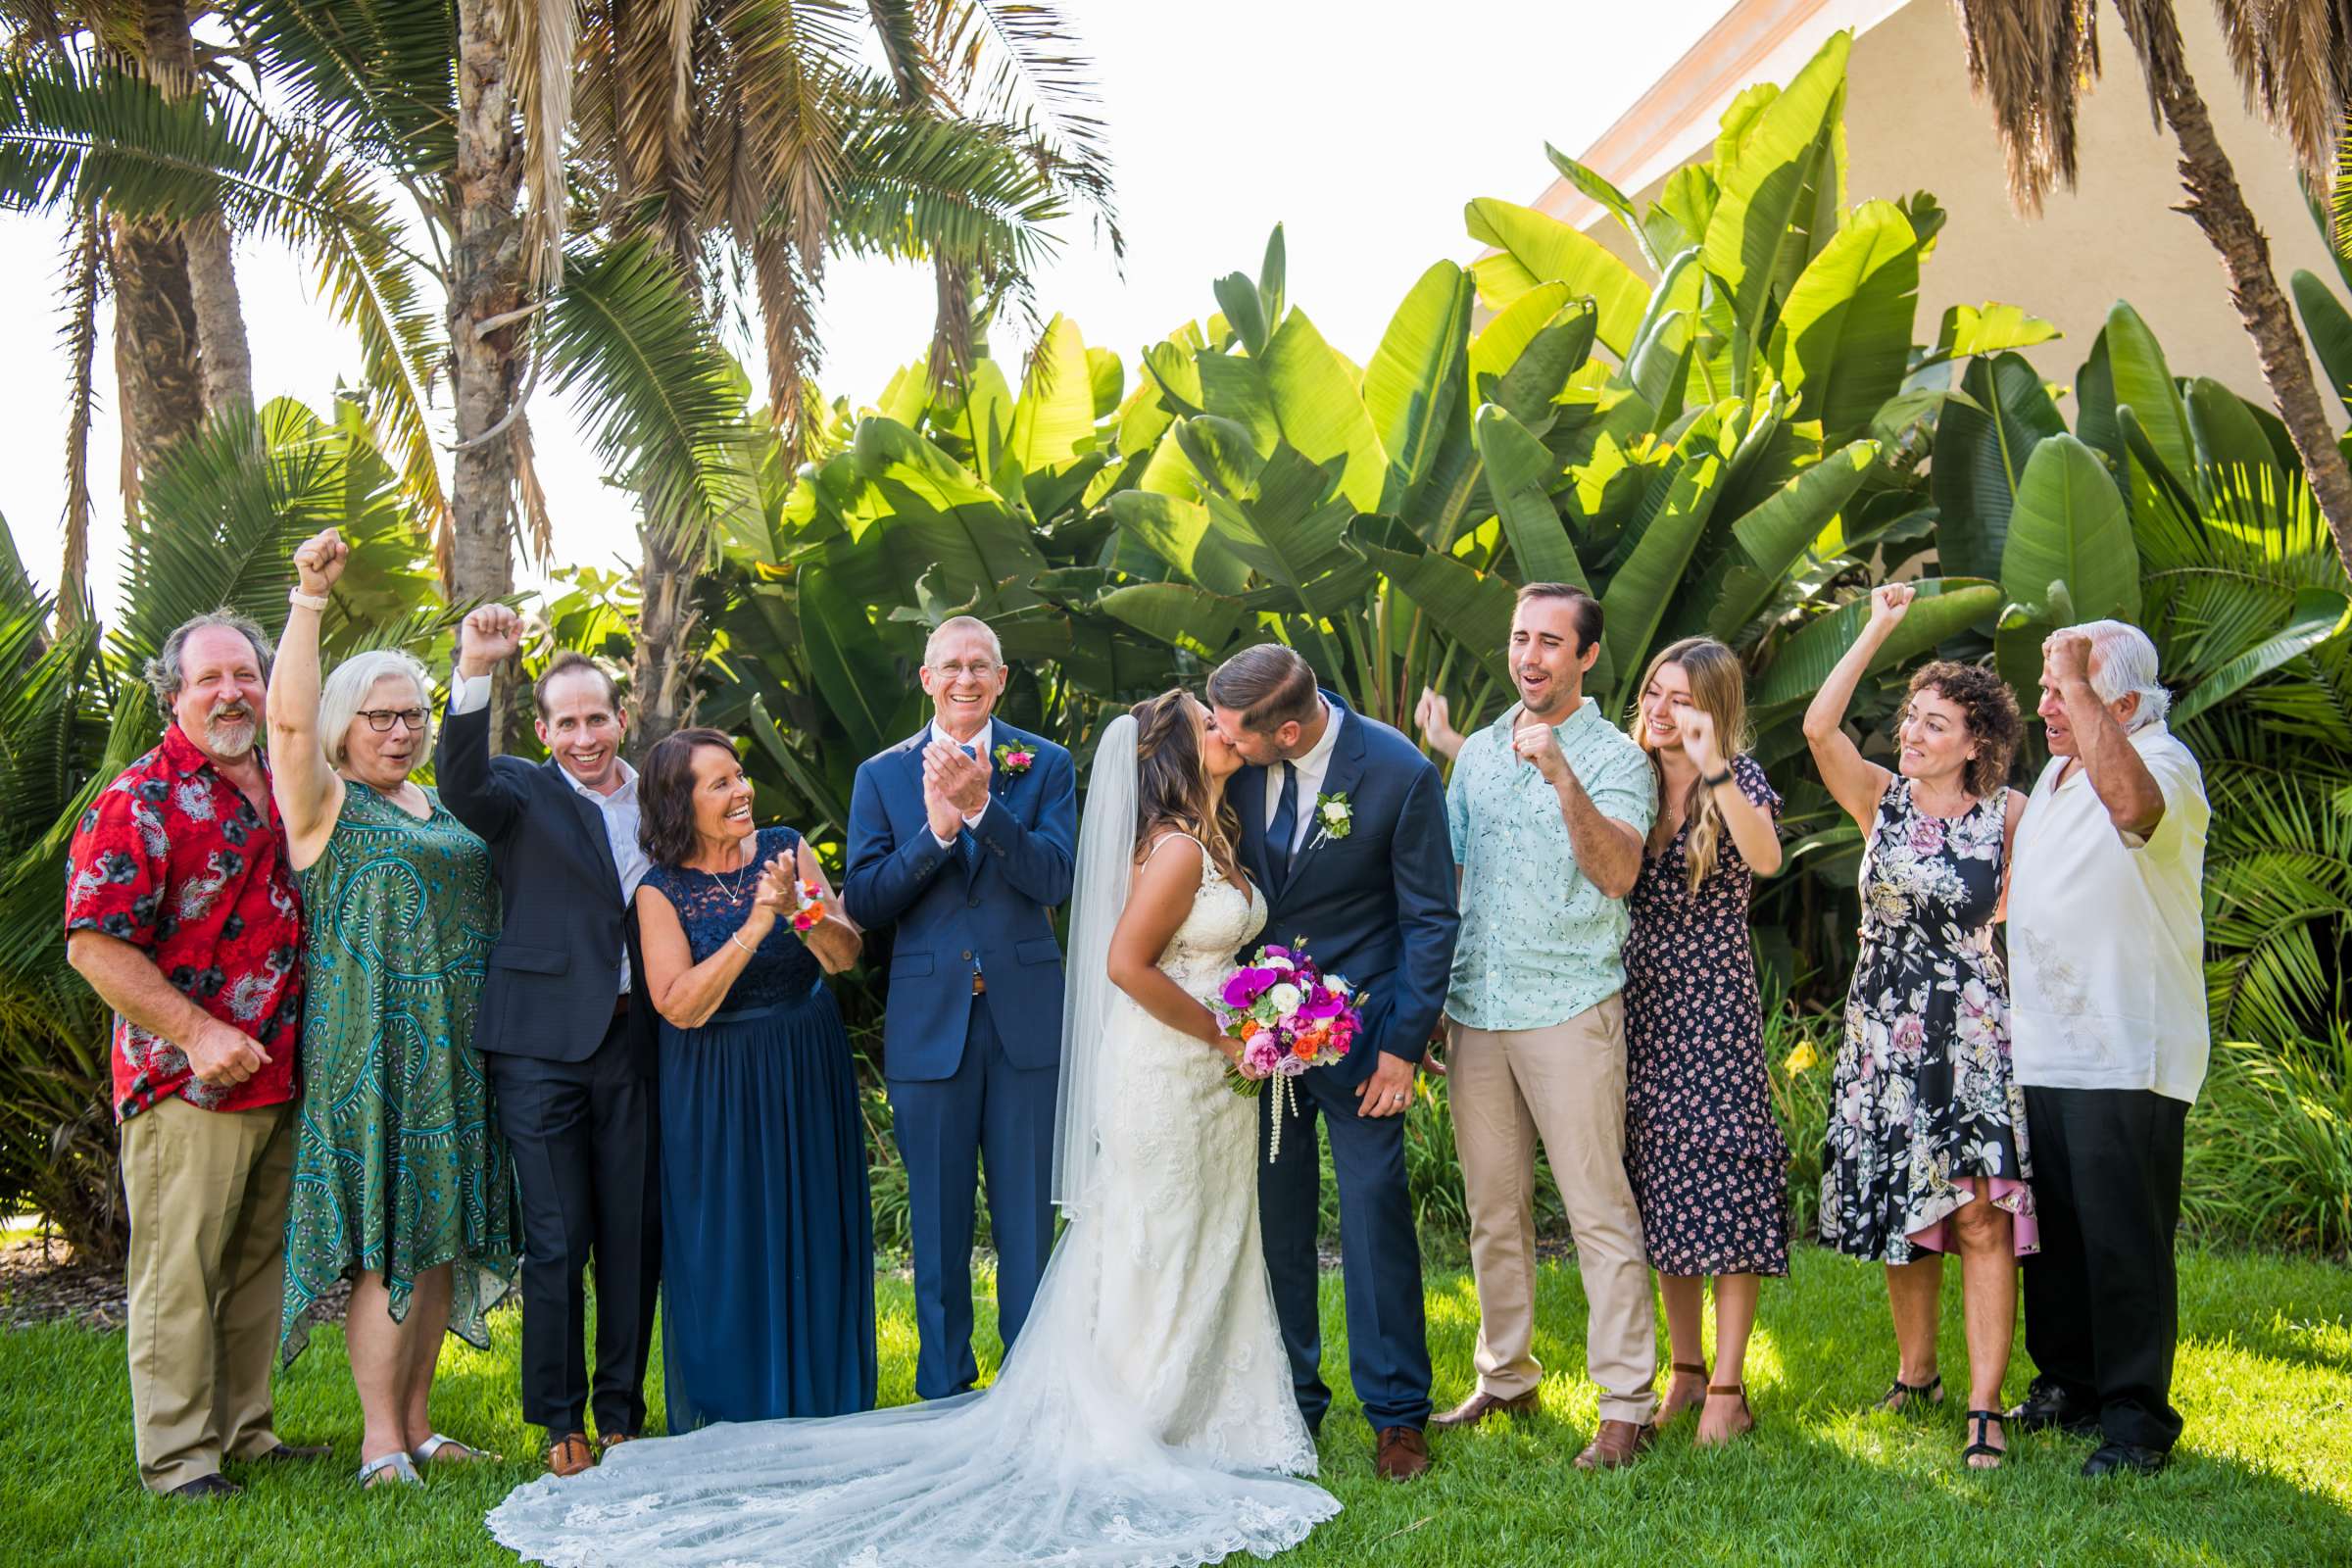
column 1144, row 1418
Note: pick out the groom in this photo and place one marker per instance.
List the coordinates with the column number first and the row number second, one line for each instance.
column 962, row 836
column 1343, row 827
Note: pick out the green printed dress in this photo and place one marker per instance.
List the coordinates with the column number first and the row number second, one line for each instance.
column 398, row 1164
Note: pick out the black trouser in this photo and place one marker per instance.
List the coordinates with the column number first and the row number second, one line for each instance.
column 2102, row 1300
column 587, row 1154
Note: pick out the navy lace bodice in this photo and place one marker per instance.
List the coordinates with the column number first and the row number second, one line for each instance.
column 713, row 908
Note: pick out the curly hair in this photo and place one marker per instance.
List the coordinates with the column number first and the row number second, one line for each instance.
column 1985, row 701
column 1171, row 777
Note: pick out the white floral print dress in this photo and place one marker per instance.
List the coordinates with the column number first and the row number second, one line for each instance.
column 1922, row 1096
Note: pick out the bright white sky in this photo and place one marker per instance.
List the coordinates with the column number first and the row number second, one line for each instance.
column 1363, row 129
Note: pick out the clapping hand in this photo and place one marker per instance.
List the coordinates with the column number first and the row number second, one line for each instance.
column 779, row 888
column 489, row 638
column 1433, row 715
column 961, row 781
column 1889, row 602
column 318, row 560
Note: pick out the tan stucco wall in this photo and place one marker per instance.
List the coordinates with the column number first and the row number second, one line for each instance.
column 1912, row 124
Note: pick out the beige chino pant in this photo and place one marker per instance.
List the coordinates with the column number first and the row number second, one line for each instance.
column 1566, row 1083
column 208, row 1192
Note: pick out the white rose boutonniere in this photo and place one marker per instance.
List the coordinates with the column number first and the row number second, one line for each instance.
column 1335, row 818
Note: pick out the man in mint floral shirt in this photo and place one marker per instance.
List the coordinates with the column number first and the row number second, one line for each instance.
column 1548, row 806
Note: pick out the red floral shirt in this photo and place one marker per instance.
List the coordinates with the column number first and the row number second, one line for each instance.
column 173, row 859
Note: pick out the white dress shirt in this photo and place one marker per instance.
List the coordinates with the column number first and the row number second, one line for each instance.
column 1312, row 768
column 618, row 809
column 2107, row 934
column 980, row 747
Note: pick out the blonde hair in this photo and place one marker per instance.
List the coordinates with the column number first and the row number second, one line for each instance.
column 347, row 689
column 1718, row 689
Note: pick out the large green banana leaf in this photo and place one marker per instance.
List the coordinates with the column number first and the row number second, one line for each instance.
column 1983, row 440
column 1519, row 469
column 2069, row 528
column 1055, row 419
column 1413, row 380
column 860, row 682
column 1944, row 607
column 1530, row 248
column 2143, row 383
column 1773, row 538
column 952, row 522
column 1205, row 624
column 1181, row 533
column 1471, row 607
column 2330, row 327
column 1314, row 396
column 1637, row 597
column 1842, row 342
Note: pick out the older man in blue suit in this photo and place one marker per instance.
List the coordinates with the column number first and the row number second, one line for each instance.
column 962, row 837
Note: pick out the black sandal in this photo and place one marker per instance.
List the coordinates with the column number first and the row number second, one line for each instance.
column 1984, row 1419
column 1901, row 1396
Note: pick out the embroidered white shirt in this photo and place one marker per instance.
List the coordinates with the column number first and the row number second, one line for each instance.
column 2107, row 934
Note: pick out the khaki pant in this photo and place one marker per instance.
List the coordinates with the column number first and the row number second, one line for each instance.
column 208, row 1194
column 1567, row 1083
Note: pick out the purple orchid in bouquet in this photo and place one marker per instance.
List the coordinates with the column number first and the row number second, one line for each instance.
column 1289, row 1016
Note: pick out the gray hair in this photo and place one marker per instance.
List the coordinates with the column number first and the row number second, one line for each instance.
column 962, row 624
column 165, row 673
column 2122, row 662
column 339, row 700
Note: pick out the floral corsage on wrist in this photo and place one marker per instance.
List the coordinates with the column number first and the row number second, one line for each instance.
column 1335, row 818
column 1012, row 759
column 810, row 913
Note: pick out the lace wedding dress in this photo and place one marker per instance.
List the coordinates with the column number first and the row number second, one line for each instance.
column 1145, row 1419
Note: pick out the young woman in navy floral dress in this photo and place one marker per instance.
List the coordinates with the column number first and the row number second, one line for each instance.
column 1927, row 1149
column 1709, row 1166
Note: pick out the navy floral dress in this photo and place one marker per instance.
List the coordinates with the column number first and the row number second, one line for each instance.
column 767, row 1251
column 1709, row 1166
column 1922, row 1096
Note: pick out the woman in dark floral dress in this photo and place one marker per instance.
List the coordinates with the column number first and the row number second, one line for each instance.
column 1927, row 1149
column 1710, row 1167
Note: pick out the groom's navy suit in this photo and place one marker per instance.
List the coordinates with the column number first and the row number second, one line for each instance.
column 972, row 1042
column 1375, row 906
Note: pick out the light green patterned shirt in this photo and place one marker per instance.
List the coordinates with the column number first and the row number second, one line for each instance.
column 1539, row 943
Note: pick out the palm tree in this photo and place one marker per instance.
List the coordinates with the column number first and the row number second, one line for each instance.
column 2294, row 61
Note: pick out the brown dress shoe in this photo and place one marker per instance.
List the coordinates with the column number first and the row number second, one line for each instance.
column 1482, row 1404
column 1400, row 1455
column 571, row 1455
column 607, row 1442
column 1616, row 1443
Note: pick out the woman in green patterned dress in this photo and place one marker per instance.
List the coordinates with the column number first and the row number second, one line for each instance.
column 401, row 1181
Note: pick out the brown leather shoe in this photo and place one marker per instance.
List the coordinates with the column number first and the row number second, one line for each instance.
column 607, row 1442
column 571, row 1455
column 1615, row 1445
column 1482, row 1404
column 1401, row 1453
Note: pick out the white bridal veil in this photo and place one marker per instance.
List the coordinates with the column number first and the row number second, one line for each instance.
column 1104, row 867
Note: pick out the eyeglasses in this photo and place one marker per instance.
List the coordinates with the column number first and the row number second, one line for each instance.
column 380, row 719
column 979, row 671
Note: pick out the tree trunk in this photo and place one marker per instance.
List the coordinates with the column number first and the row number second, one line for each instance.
column 220, row 315
column 662, row 670
column 155, row 332
column 2219, row 208
column 485, row 281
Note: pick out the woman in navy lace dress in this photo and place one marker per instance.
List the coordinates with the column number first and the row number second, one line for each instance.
column 767, row 1237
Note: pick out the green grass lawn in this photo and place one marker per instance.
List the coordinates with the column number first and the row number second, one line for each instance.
column 2264, row 1475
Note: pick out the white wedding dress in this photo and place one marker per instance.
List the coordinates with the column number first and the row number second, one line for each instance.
column 1144, row 1418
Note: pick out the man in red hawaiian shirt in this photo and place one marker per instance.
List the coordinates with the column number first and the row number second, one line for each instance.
column 182, row 913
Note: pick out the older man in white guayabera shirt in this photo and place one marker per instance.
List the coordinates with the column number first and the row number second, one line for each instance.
column 2107, row 995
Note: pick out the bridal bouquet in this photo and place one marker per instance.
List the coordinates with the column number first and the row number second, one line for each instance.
column 1289, row 1016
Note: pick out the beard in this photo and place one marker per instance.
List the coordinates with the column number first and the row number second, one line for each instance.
column 230, row 730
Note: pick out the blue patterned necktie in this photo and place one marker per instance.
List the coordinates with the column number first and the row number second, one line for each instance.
column 1283, row 826
column 967, row 846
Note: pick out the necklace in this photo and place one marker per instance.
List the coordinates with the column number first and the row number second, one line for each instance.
column 734, row 890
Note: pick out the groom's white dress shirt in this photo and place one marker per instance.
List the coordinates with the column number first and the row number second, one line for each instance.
column 1312, row 768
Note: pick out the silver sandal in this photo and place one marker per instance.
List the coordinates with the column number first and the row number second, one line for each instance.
column 396, row 1465
column 431, row 1449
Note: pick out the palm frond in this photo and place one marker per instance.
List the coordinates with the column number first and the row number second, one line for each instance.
column 540, row 45
column 1020, row 61
column 2032, row 63
column 2294, row 60
column 378, row 77
column 919, row 185
column 83, row 272
column 663, row 402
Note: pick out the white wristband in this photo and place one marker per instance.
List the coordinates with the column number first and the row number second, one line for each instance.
column 307, row 601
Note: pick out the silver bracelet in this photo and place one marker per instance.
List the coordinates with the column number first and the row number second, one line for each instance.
column 739, row 942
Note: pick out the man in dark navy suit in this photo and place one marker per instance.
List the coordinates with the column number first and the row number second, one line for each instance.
column 1343, row 827
column 565, row 1035
column 963, row 837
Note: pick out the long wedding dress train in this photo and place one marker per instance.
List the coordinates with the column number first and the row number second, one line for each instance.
column 1144, row 1418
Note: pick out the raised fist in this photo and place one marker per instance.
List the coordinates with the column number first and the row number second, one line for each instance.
column 489, row 638
column 318, row 560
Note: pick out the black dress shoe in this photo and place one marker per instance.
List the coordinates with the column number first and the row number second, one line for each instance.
column 2113, row 1457
column 205, row 1487
column 286, row 1453
column 2044, row 1407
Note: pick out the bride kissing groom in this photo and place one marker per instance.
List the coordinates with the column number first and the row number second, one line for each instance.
column 1157, row 1409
